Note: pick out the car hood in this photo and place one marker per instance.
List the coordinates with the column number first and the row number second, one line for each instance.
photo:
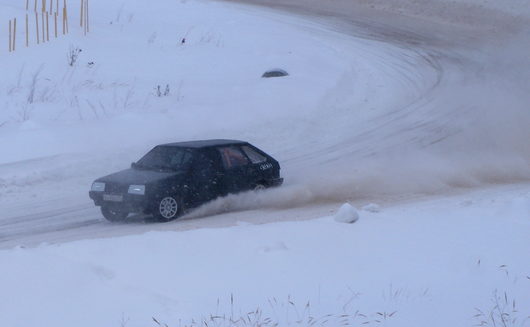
column 138, row 176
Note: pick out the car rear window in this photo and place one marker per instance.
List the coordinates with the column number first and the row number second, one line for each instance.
column 232, row 157
column 253, row 155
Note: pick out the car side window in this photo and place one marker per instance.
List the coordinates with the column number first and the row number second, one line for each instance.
column 232, row 157
column 253, row 155
column 180, row 158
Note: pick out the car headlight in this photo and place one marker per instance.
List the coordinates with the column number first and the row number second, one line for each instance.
column 137, row 189
column 98, row 187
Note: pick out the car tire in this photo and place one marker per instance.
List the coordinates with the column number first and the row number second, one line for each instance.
column 259, row 187
column 114, row 215
column 167, row 208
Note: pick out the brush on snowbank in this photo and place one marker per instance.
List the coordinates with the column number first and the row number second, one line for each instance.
column 287, row 313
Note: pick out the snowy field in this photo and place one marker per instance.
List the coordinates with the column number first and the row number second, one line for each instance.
column 414, row 112
column 430, row 263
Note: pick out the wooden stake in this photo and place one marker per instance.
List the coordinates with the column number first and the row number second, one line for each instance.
column 64, row 20
column 37, row 25
column 15, row 34
column 51, row 7
column 85, row 30
column 35, row 10
column 43, row 29
column 66, row 17
column 82, row 16
column 47, row 28
column 27, row 31
column 57, row 7
column 55, row 18
column 27, row 5
column 43, row 5
column 87, row 20
column 10, row 36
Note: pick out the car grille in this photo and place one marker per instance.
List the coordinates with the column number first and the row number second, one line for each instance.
column 114, row 188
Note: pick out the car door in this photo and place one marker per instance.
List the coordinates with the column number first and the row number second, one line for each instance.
column 236, row 166
column 203, row 179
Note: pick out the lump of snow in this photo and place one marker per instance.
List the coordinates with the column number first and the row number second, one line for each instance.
column 275, row 73
column 372, row 207
column 346, row 214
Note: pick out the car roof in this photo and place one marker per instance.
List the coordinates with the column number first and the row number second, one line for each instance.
column 204, row 143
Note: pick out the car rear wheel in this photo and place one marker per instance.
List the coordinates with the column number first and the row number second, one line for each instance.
column 259, row 187
column 114, row 215
column 168, row 208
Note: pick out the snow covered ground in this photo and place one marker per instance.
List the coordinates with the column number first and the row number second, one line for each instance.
column 425, row 263
column 418, row 106
column 83, row 116
column 108, row 112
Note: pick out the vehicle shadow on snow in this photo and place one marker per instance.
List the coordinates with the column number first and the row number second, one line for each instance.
column 232, row 203
column 277, row 198
column 134, row 219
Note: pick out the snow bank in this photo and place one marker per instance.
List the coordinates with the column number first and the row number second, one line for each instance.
column 412, row 264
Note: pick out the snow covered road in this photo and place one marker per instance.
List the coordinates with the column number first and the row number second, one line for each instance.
column 424, row 263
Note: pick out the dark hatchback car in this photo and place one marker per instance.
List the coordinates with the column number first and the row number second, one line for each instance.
column 172, row 178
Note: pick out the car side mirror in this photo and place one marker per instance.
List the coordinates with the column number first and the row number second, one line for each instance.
column 133, row 165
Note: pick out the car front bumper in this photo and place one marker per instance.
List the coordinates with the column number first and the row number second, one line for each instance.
column 127, row 202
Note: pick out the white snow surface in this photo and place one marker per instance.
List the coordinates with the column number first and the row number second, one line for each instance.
column 409, row 104
column 375, row 113
column 427, row 263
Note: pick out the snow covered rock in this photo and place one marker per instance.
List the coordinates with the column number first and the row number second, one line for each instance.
column 275, row 73
column 346, row 214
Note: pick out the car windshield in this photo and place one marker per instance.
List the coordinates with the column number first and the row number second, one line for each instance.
column 166, row 157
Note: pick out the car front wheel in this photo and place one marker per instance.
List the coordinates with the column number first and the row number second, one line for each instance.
column 114, row 215
column 167, row 209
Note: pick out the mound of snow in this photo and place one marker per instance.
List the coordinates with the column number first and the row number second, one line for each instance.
column 346, row 214
column 372, row 207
